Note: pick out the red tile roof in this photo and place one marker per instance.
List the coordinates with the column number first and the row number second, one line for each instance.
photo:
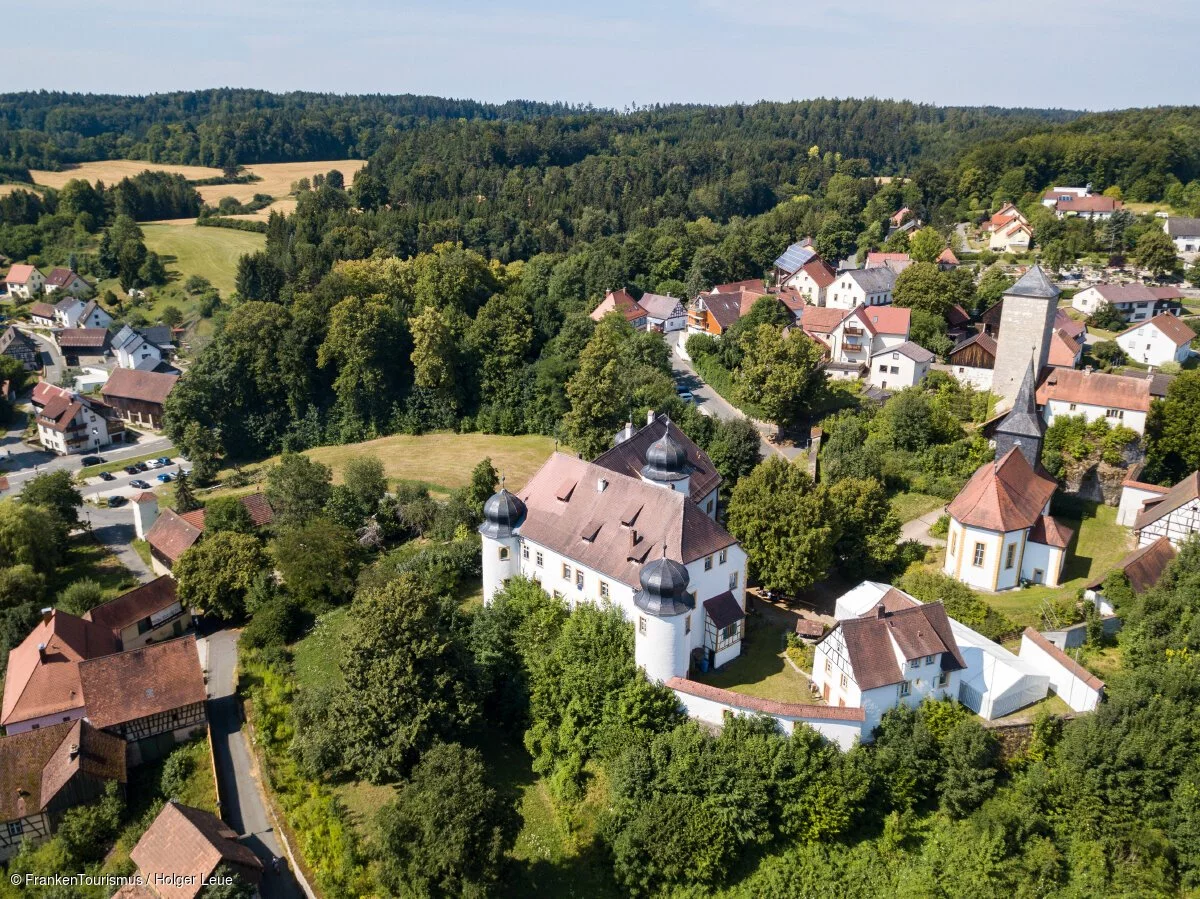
column 1064, row 351
column 36, row 764
column 1180, row 495
column 130, row 608
column 139, row 682
column 1049, row 532
column 1175, row 330
column 1094, row 388
column 42, row 310
column 191, row 842
column 19, row 274
column 628, row 457
column 877, row 259
column 1136, row 293
column 1143, row 566
column 755, row 284
column 61, row 277
column 47, row 683
column 821, row 319
column 917, row 631
column 766, row 706
column 1094, row 203
column 820, row 271
column 1063, row 322
column 618, row 301
column 145, row 386
column 947, row 257
column 1007, row 495
column 172, row 535
column 83, row 338
column 44, row 391
column 884, row 319
column 1063, row 659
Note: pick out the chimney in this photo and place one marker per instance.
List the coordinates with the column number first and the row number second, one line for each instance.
column 650, row 417
column 47, row 614
column 74, row 751
column 881, row 611
column 1087, row 369
column 633, row 537
column 42, row 651
column 601, row 485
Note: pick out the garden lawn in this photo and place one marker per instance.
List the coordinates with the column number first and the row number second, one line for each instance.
column 762, row 669
column 908, row 506
column 1098, row 545
column 211, row 252
column 89, row 558
column 318, row 655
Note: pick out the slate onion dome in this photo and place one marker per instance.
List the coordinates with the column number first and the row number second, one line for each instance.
column 502, row 514
column 664, row 588
column 665, row 460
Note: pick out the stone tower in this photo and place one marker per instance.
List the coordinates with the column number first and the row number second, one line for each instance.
column 1022, row 429
column 1026, row 323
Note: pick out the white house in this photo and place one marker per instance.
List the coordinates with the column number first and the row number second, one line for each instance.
column 1051, row 197
column 1174, row 515
column 900, row 366
column 69, row 423
column 67, row 281
column 1134, row 494
column 592, row 534
column 134, row 351
column 1133, row 302
column 812, row 280
column 42, row 315
column 24, row 281
column 1185, row 232
column 664, row 314
column 867, row 330
column 861, row 286
column 1163, row 338
column 1118, row 399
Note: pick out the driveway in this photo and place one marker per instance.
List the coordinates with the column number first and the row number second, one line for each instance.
column 244, row 807
column 53, row 363
column 918, row 529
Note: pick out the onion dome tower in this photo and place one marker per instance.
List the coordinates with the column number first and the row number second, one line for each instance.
column 667, row 464
column 664, row 620
column 503, row 514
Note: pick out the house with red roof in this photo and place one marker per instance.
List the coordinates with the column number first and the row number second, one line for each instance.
column 1118, row 399
column 811, row 280
column 24, row 281
column 69, row 423
column 867, row 330
column 897, row 262
column 622, row 303
column 1162, row 339
column 1133, row 302
column 859, row 286
column 68, row 282
column 171, row 533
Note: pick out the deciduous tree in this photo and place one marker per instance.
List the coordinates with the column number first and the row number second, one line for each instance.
column 215, row 574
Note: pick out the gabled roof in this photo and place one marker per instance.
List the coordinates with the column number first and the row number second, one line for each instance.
column 794, row 257
column 42, row 310
column 723, row 609
column 1064, row 351
column 1073, row 329
column 986, row 342
column 44, row 392
column 726, row 308
column 46, row 682
column 1063, row 659
column 629, row 456
column 821, row 319
column 658, row 306
column 68, row 303
column 171, row 535
column 83, row 338
column 917, row 631
column 144, row 386
column 1180, row 495
column 618, row 301
column 61, row 277
column 893, row 320
column 755, row 284
column 130, row 608
column 1136, row 293
column 20, row 274
column 614, row 530
column 1182, row 226
column 1006, row 495
column 36, row 764
column 1034, row 283
column 820, row 271
column 1093, row 203
column 1049, row 532
column 1144, row 566
column 126, row 686
column 11, row 335
column 913, row 351
column 189, row 844
column 872, row 280
column 1171, row 327
column 1094, row 388
column 947, row 257
column 877, row 260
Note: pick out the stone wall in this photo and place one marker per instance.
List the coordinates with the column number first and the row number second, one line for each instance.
column 1025, row 327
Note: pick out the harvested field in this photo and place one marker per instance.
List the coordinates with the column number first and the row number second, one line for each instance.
column 110, row 171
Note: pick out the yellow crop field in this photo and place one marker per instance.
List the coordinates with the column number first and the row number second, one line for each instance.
column 277, row 178
column 110, row 171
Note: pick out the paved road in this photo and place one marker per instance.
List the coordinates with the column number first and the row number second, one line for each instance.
column 53, row 363
column 918, row 529
column 244, row 808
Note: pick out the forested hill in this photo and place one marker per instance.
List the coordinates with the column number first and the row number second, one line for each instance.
column 226, row 126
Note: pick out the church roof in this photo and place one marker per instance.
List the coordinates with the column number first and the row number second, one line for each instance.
column 1006, row 495
column 1023, row 420
column 1034, row 283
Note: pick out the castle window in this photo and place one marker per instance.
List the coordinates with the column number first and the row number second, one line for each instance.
column 980, row 550
column 538, row 559
column 641, row 625
column 525, row 552
column 1114, row 413
column 604, row 588
column 708, row 563
column 724, row 556
column 578, row 579
column 1010, row 556
column 1072, row 407
column 503, row 553
column 566, row 572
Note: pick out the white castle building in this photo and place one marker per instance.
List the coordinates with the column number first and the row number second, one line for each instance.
column 635, row 528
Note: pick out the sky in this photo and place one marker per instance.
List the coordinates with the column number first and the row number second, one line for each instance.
column 1078, row 54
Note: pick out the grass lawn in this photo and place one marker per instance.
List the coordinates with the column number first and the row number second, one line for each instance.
column 88, row 558
column 441, row 461
column 211, row 252
column 316, row 657
column 1098, row 545
column 762, row 669
column 908, row 506
column 1051, row 704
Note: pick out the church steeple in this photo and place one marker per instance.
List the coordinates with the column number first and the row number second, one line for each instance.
column 1022, row 428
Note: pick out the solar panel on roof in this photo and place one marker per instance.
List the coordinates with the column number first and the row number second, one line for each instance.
column 794, row 257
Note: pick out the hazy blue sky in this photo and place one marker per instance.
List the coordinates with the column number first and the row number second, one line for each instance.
column 1093, row 54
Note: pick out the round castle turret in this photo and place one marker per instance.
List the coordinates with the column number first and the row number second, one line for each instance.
column 502, row 515
column 667, row 465
column 665, row 611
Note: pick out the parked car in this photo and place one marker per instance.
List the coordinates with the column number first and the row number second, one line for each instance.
column 114, row 501
column 164, row 478
column 165, row 460
column 139, row 484
column 132, row 469
column 152, row 464
column 107, row 476
column 141, row 466
column 685, row 395
column 92, row 460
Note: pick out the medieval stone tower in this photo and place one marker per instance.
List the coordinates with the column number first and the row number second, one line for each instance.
column 1026, row 323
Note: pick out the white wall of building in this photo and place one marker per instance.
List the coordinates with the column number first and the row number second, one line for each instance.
column 1150, row 346
column 1176, row 526
column 1071, row 688
column 1132, row 496
column 19, row 727
column 1130, row 418
column 894, row 371
column 843, row 733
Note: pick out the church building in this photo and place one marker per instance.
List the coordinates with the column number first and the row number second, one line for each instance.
column 635, row 528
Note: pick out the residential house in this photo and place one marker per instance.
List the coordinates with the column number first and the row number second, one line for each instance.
column 1162, row 339
column 867, row 330
column 1010, row 231
column 46, row 771
column 665, row 314
column 147, row 614
column 621, row 302
column 1184, row 232
column 67, row 311
column 71, row 423
column 900, row 217
column 1083, row 205
column 812, row 280
column 792, row 260
column 1051, row 197
column 68, row 282
column 1142, row 568
column 1134, row 302
column 973, row 360
column 900, row 366
column 898, row 653
column 83, row 346
column 1065, row 351
column 138, row 396
column 1174, row 515
column 24, row 281
column 713, row 312
column 1134, row 493
column 869, row 286
column 93, row 316
column 154, row 696
column 133, row 350
column 593, row 534
column 630, row 454
column 897, row 262
column 1117, row 399
column 184, row 846
column 43, row 315
column 946, row 260
column 41, row 685
column 171, row 534
column 22, row 348
column 43, row 392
